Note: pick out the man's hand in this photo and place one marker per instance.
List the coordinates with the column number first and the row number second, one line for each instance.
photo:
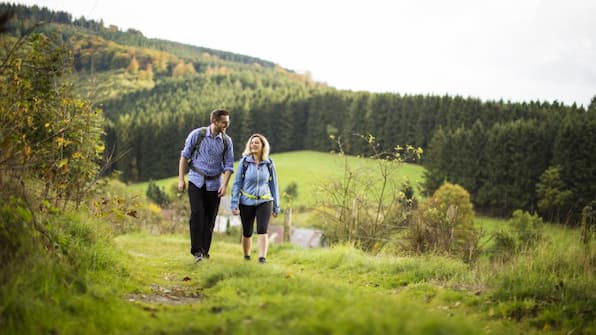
column 236, row 211
column 274, row 215
column 222, row 190
column 181, row 171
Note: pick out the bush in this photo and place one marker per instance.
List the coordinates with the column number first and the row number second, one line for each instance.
column 366, row 207
column 504, row 247
column 520, row 234
column 157, row 194
column 290, row 192
column 444, row 224
column 527, row 229
column 124, row 210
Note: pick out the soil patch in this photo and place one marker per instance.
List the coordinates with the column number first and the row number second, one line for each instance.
column 168, row 296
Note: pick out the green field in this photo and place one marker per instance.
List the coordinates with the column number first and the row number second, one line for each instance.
column 308, row 169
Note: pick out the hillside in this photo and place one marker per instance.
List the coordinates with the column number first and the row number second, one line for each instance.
column 153, row 93
column 309, row 170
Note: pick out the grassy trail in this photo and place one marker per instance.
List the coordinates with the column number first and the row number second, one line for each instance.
column 330, row 291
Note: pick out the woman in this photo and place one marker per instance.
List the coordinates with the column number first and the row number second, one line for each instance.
column 255, row 194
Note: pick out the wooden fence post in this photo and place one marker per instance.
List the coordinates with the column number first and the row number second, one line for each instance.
column 287, row 224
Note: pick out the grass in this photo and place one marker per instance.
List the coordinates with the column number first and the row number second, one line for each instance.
column 338, row 290
column 308, row 169
column 92, row 283
column 144, row 283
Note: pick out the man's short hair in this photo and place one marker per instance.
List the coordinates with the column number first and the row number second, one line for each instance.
column 218, row 113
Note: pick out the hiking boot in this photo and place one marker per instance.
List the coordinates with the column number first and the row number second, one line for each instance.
column 262, row 260
column 247, row 257
column 198, row 257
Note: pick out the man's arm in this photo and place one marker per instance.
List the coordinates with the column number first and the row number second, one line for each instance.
column 228, row 168
column 181, row 171
column 224, row 186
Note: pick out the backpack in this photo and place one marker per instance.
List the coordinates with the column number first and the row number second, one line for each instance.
column 202, row 134
column 245, row 167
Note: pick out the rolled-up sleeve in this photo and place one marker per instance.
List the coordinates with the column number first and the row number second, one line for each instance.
column 191, row 139
column 236, row 186
column 229, row 157
column 274, row 188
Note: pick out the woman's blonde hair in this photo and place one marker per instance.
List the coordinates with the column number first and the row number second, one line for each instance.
column 264, row 152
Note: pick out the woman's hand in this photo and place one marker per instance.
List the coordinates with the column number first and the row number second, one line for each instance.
column 235, row 211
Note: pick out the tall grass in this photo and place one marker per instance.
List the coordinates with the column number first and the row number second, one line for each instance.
column 547, row 288
column 338, row 290
column 553, row 285
column 51, row 289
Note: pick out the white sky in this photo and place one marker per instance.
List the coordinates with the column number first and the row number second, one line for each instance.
column 517, row 50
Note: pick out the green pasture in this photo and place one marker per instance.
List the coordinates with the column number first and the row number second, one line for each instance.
column 309, row 169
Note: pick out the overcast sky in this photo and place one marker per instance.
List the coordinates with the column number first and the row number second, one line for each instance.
column 516, row 50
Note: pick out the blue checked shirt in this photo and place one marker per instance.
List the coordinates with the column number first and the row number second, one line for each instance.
column 208, row 158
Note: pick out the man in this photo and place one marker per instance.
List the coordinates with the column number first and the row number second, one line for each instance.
column 208, row 152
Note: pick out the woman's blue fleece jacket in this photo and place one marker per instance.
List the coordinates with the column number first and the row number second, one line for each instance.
column 256, row 182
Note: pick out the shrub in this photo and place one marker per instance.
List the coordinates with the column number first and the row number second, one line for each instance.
column 520, row 234
column 157, row 194
column 504, row 246
column 124, row 210
column 444, row 224
column 366, row 207
column 527, row 229
column 290, row 192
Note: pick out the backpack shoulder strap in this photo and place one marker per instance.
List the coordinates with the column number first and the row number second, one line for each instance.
column 269, row 166
column 202, row 134
column 244, row 167
column 197, row 146
column 226, row 143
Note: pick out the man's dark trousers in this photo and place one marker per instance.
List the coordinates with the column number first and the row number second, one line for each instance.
column 203, row 206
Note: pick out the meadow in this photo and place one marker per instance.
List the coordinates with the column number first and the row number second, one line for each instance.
column 142, row 283
column 103, row 280
column 309, row 170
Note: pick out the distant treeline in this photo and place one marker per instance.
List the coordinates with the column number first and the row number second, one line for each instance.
column 537, row 156
column 498, row 151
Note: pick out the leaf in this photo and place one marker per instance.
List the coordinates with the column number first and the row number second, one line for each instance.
column 60, row 141
column 27, row 150
column 62, row 163
column 100, row 148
